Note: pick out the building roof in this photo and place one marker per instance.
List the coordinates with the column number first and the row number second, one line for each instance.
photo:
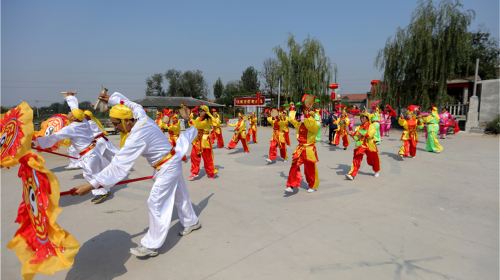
column 355, row 97
column 174, row 101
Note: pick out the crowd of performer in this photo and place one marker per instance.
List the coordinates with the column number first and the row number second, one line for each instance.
column 104, row 165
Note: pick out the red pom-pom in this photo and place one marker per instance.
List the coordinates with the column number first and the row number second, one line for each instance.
column 122, row 102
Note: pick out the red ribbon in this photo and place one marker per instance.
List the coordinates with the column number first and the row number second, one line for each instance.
column 73, row 190
column 55, row 153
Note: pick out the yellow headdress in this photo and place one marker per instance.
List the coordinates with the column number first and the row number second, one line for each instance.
column 121, row 112
column 78, row 114
column 96, row 120
column 365, row 114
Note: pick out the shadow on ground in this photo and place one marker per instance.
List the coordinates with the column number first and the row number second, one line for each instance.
column 103, row 257
column 173, row 236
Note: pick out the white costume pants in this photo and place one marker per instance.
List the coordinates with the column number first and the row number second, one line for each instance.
column 73, row 163
column 168, row 190
column 92, row 163
column 106, row 148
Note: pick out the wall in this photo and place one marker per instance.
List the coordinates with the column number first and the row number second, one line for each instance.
column 489, row 103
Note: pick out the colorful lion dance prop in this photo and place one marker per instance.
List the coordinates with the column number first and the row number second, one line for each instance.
column 41, row 245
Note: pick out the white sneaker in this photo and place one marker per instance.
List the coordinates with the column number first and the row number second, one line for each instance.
column 188, row 230
column 348, row 176
column 376, row 174
column 401, row 157
column 310, row 190
column 269, row 160
column 289, row 190
column 141, row 251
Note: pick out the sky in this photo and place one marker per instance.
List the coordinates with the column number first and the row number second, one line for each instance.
column 58, row 45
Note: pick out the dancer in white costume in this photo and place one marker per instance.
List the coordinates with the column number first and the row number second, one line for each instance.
column 103, row 145
column 145, row 138
column 82, row 139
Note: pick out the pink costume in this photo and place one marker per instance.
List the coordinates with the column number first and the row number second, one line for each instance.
column 445, row 121
column 353, row 112
column 389, row 113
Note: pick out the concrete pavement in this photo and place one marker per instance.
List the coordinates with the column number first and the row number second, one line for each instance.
column 432, row 217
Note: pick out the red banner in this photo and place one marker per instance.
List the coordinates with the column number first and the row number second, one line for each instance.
column 249, row 101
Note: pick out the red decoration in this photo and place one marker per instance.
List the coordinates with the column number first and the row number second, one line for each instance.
column 333, row 86
column 375, row 82
column 332, row 95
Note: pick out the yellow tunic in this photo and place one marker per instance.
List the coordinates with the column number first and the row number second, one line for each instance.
column 204, row 127
column 216, row 123
column 240, row 128
column 307, row 140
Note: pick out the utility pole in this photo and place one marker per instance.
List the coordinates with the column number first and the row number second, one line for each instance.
column 475, row 78
column 472, row 124
column 279, row 92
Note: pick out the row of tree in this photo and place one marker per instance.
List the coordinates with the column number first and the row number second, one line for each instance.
column 417, row 63
column 189, row 83
column 435, row 47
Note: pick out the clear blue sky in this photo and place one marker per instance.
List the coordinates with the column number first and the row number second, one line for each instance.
column 51, row 46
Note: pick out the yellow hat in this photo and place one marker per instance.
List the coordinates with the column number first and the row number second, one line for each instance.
column 88, row 113
column 78, row 114
column 365, row 114
column 120, row 111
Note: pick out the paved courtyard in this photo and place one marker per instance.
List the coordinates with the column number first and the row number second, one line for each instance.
column 432, row 217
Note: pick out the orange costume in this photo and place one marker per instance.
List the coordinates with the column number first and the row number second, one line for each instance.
column 342, row 130
column 305, row 153
column 239, row 134
column 252, row 131
column 216, row 130
column 364, row 135
column 202, row 146
column 174, row 130
column 409, row 136
column 159, row 120
column 277, row 140
column 284, row 127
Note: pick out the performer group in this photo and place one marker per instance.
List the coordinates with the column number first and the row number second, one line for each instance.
column 91, row 151
column 104, row 165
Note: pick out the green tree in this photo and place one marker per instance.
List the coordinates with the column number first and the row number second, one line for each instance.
column 249, row 80
column 270, row 73
column 174, row 82
column 218, row 89
column 154, row 85
column 303, row 66
column 485, row 48
column 232, row 89
column 421, row 58
column 193, row 84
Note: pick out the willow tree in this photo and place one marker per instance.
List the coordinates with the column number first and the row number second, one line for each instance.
column 420, row 59
column 303, row 66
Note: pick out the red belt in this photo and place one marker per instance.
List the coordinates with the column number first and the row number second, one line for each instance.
column 101, row 136
column 86, row 150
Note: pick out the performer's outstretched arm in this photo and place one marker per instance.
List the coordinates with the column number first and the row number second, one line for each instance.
column 137, row 109
column 49, row 141
column 120, row 165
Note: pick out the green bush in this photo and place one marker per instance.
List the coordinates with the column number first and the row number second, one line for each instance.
column 493, row 127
